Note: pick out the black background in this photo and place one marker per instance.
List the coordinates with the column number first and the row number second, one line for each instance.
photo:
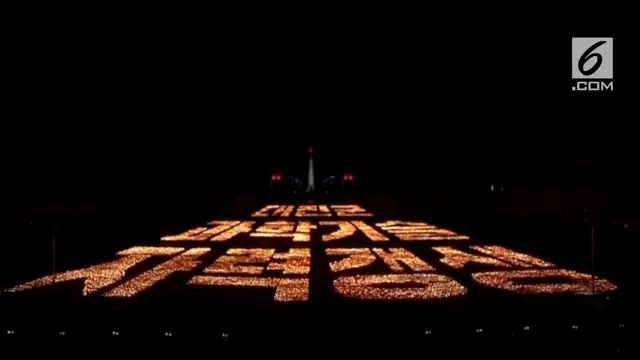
column 118, row 121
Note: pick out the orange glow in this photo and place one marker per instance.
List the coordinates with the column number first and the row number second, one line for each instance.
column 520, row 281
column 296, row 261
column 370, row 232
column 244, row 227
column 356, row 258
column 187, row 235
column 350, row 211
column 395, row 256
column 303, row 231
column 236, row 260
column 183, row 262
column 345, row 229
column 100, row 276
column 512, row 257
column 283, row 211
column 412, row 231
column 458, row 259
column 265, row 211
column 198, row 234
column 313, row 211
column 275, row 229
column 286, row 289
column 410, row 287
column 272, row 229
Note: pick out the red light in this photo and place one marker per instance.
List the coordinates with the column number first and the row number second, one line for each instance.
column 310, row 149
column 275, row 177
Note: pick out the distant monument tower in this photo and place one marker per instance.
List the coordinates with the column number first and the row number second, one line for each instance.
column 311, row 182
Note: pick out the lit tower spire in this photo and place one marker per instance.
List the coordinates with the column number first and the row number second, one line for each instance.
column 311, row 184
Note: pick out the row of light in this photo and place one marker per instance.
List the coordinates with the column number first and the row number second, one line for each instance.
column 252, row 261
column 226, row 335
column 312, row 211
column 298, row 231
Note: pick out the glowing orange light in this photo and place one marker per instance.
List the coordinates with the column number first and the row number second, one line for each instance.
column 411, row 231
column 350, row 211
column 283, row 211
column 198, row 234
column 265, row 211
column 296, row 261
column 275, row 229
column 234, row 262
column 370, row 232
column 313, row 211
column 356, row 258
column 521, row 281
column 187, row 235
column 399, row 255
column 345, row 229
column 408, row 287
column 286, row 289
column 271, row 229
column 100, row 276
column 244, row 227
column 183, row 262
column 512, row 257
column 459, row 259
column 303, row 231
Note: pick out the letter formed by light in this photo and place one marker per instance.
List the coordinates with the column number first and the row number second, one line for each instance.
column 187, row 235
column 512, row 257
column 394, row 256
column 533, row 281
column 313, row 211
column 345, row 229
column 407, row 287
column 355, row 258
column 243, row 227
column 284, row 211
column 236, row 260
column 185, row 261
column 286, row 289
column 102, row 275
column 202, row 233
column 296, row 261
column 412, row 231
column 300, row 232
column 370, row 232
column 265, row 211
column 499, row 256
column 350, row 211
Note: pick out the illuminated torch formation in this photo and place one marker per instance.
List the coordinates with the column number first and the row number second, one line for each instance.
column 278, row 259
